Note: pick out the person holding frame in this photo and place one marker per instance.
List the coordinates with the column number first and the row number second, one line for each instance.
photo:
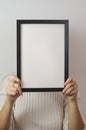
column 39, row 110
column 42, row 110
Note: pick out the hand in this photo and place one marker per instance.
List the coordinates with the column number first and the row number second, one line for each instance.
column 14, row 89
column 71, row 89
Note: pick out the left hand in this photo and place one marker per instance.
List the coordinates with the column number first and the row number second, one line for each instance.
column 71, row 89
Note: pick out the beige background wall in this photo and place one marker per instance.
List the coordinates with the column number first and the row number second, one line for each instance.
column 74, row 10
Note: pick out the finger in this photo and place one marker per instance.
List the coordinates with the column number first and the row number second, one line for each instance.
column 18, row 87
column 73, row 93
column 11, row 84
column 12, row 93
column 14, row 89
column 70, row 90
column 15, row 79
column 70, row 79
column 68, row 86
column 15, row 86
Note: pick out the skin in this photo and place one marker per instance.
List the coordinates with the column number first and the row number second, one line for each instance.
column 70, row 91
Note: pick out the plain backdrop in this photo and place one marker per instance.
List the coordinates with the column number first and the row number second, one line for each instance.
column 74, row 10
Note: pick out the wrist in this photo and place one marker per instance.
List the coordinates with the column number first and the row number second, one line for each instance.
column 72, row 104
column 72, row 101
column 9, row 102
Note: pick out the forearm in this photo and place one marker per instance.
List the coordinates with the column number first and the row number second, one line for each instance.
column 75, row 120
column 5, row 115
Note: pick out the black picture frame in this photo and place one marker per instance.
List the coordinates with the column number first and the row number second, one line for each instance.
column 66, row 50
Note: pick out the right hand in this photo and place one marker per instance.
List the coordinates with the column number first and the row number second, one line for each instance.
column 14, row 89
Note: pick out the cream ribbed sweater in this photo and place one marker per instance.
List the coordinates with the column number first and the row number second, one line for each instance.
column 37, row 110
